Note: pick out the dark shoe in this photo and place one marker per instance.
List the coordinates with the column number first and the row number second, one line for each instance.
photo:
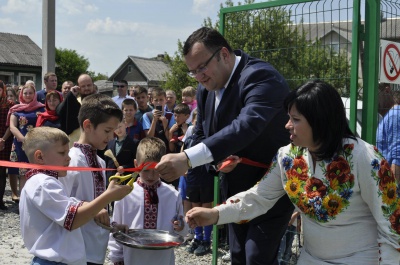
column 204, row 248
column 3, row 207
column 193, row 246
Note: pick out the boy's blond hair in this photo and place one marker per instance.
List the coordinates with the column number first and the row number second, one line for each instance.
column 150, row 149
column 42, row 138
column 189, row 91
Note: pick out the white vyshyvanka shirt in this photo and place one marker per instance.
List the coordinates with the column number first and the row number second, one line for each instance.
column 46, row 217
column 82, row 185
column 349, row 205
column 130, row 211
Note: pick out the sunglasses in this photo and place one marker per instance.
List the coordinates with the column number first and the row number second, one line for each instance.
column 121, row 86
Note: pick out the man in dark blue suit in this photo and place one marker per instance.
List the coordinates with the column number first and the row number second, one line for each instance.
column 240, row 112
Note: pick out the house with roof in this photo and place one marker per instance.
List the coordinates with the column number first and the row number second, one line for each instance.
column 147, row 72
column 20, row 59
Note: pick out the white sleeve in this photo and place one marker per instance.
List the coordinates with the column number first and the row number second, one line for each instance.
column 254, row 202
column 378, row 189
column 50, row 198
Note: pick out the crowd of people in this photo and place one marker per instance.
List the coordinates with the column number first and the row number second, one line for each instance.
column 279, row 153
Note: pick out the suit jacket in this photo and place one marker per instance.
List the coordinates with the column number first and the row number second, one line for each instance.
column 125, row 157
column 249, row 121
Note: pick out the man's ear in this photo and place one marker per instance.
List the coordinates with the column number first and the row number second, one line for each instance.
column 87, row 125
column 38, row 157
column 135, row 162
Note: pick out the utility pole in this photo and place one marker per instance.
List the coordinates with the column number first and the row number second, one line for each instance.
column 48, row 36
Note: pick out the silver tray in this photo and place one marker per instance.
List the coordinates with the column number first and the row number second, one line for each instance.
column 149, row 239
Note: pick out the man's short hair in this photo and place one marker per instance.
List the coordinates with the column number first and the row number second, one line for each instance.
column 123, row 82
column 150, row 149
column 157, row 91
column 42, row 138
column 98, row 108
column 182, row 108
column 47, row 75
column 170, row 91
column 129, row 102
column 211, row 39
column 139, row 90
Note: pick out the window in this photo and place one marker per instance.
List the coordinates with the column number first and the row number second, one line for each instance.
column 129, row 68
column 23, row 77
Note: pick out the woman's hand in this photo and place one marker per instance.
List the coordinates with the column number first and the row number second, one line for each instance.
column 199, row 216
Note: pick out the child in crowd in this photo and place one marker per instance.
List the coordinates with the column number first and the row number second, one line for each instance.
column 199, row 191
column 124, row 150
column 181, row 114
column 151, row 205
column 134, row 128
column 157, row 123
column 189, row 97
column 49, row 217
column 98, row 117
column 142, row 99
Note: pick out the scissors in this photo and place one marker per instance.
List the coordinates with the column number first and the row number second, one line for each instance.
column 132, row 177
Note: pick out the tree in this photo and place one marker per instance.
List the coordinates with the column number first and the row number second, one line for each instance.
column 178, row 78
column 69, row 65
column 98, row 76
column 271, row 35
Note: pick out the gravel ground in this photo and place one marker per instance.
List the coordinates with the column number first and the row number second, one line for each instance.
column 13, row 251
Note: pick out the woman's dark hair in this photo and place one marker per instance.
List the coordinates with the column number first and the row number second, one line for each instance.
column 211, row 38
column 323, row 108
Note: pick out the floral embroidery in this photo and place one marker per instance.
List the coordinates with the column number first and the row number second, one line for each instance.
column 320, row 199
column 388, row 190
column 22, row 122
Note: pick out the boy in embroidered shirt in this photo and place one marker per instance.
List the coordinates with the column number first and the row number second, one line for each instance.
column 49, row 217
column 151, row 205
column 98, row 117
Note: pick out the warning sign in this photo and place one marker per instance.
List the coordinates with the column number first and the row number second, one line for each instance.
column 390, row 62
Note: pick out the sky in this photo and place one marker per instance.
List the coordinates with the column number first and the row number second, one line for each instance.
column 107, row 31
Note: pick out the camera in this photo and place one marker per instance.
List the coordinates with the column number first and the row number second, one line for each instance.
column 159, row 108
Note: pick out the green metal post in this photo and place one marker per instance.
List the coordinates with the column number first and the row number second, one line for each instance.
column 355, row 51
column 215, row 227
column 371, row 69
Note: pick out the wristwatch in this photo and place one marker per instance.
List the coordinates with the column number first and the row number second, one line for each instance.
column 188, row 161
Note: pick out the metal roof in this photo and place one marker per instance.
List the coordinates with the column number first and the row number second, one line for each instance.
column 152, row 69
column 19, row 50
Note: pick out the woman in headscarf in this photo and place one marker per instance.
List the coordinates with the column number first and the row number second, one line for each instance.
column 5, row 140
column 22, row 118
column 49, row 117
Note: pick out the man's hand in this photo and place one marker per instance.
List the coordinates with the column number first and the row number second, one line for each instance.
column 172, row 166
column 75, row 90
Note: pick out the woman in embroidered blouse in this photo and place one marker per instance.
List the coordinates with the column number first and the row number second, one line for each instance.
column 342, row 186
column 22, row 118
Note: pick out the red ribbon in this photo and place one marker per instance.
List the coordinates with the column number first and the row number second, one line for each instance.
column 245, row 161
column 4, row 163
